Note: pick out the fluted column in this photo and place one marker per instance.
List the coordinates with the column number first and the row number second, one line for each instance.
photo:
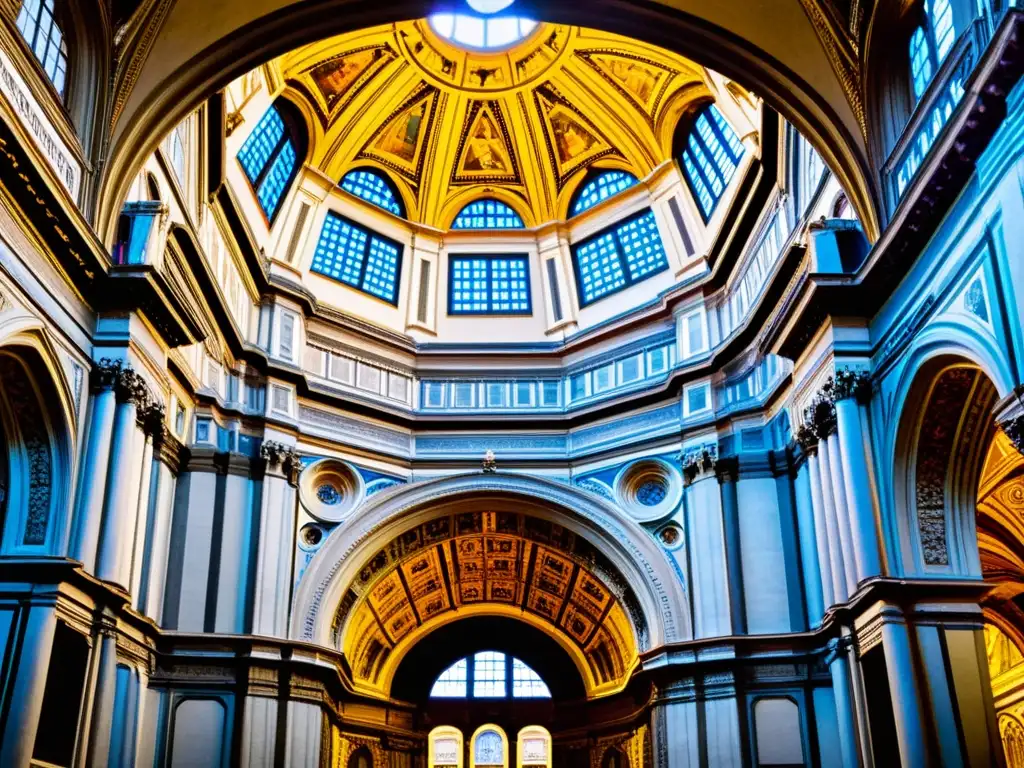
column 903, row 689
column 810, row 542
column 118, row 501
column 156, row 549
column 850, row 389
column 842, row 507
column 26, row 689
column 92, row 481
column 151, row 419
column 810, row 446
column 842, row 690
column 276, row 544
column 675, row 726
column 705, row 531
column 102, row 718
column 835, row 549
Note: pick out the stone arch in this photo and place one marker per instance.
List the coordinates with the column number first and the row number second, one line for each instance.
column 637, row 565
column 37, row 417
column 774, row 51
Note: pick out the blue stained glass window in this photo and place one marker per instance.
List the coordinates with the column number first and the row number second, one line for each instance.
column 373, row 188
column 710, row 158
column 269, row 160
column 610, row 261
column 487, row 214
column 942, row 26
column 930, row 43
column 601, row 188
column 489, row 285
column 359, row 258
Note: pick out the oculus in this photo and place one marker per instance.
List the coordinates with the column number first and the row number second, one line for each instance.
column 330, row 489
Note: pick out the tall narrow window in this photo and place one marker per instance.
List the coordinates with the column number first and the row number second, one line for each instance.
column 930, row 43
column 710, row 157
column 600, row 188
column 271, row 155
column 38, row 26
column 374, row 188
column 489, row 285
column 487, row 214
column 610, row 261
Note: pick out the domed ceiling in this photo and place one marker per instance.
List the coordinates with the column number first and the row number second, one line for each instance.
column 524, row 123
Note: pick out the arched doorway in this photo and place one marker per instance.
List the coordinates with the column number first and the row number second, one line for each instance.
column 962, row 481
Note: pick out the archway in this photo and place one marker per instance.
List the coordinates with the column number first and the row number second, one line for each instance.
column 961, row 481
column 489, row 546
column 774, row 51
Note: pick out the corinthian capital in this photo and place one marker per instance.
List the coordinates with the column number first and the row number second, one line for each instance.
column 698, row 459
column 284, row 456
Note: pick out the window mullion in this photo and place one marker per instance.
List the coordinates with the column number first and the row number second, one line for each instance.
column 490, row 285
column 508, row 676
column 366, row 260
column 620, row 253
column 723, row 140
column 271, row 159
column 471, row 676
column 712, row 163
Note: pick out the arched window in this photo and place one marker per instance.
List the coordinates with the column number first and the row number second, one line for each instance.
column 487, row 214
column 489, row 675
column 600, row 187
column 39, row 27
column 271, row 155
column 930, row 43
column 710, row 157
column 374, row 188
column 361, row 758
column 176, row 147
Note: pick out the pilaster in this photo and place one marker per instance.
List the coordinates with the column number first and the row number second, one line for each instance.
column 26, row 689
column 276, row 544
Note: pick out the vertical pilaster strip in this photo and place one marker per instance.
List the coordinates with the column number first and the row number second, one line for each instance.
column 835, row 550
column 711, row 599
column 103, row 698
column 116, row 505
column 842, row 508
column 91, row 484
column 807, row 534
column 728, row 471
column 906, row 697
column 276, row 541
column 820, row 530
column 838, row 666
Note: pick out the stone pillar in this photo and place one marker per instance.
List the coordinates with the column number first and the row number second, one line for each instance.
column 156, row 545
column 810, row 445
column 722, row 721
column 853, row 449
column 302, row 748
column 95, row 461
column 728, row 475
column 120, row 503
column 277, row 540
column 835, row 549
column 809, row 538
column 102, row 718
column 151, row 421
column 27, row 688
column 842, row 507
column 675, row 728
column 706, row 535
column 839, row 666
column 906, row 698
column 259, row 732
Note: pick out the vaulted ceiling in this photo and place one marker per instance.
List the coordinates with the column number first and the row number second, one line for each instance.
column 449, row 124
column 488, row 564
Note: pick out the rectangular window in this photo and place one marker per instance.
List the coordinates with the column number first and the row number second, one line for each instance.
column 488, row 285
column 489, row 675
column 359, row 258
column 524, row 393
column 578, row 386
column 549, row 393
column 627, row 253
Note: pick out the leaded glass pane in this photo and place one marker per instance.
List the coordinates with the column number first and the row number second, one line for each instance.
column 601, row 188
column 340, row 252
column 600, row 271
column 495, row 285
column 350, row 254
column 487, row 214
column 452, row 682
column 920, row 62
column 372, row 188
column 257, row 149
column 942, row 24
column 40, row 30
column 526, row 684
column 641, row 247
column 489, row 675
column 710, row 158
column 275, row 183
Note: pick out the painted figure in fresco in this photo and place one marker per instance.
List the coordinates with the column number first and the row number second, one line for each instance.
column 485, row 151
column 334, row 77
column 401, row 138
column 571, row 139
column 634, row 77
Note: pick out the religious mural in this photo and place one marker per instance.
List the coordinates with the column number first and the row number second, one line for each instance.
column 339, row 79
column 642, row 82
column 485, row 148
column 400, row 143
column 573, row 141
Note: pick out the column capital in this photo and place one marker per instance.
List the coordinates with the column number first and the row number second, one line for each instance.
column 698, row 459
column 150, row 417
column 728, row 469
column 850, row 383
column 820, row 415
column 284, row 456
column 128, row 385
column 807, row 440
